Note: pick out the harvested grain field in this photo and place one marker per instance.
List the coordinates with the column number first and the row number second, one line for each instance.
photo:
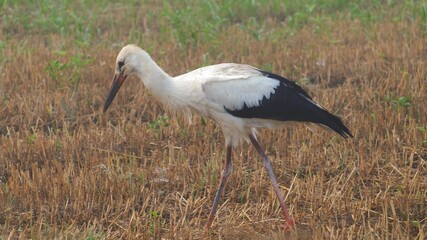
column 68, row 171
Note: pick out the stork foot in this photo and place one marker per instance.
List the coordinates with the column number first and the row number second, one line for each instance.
column 289, row 225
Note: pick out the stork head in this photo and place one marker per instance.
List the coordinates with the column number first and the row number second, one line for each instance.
column 127, row 63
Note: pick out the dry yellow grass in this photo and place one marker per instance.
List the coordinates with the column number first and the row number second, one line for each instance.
column 68, row 171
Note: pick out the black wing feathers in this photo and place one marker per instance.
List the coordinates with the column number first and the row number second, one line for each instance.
column 290, row 102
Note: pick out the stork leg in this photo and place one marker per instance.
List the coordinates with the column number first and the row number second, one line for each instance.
column 225, row 173
column 267, row 164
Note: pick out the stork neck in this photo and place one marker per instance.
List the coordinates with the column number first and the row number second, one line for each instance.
column 154, row 78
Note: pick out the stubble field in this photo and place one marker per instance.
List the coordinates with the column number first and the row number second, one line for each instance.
column 68, row 171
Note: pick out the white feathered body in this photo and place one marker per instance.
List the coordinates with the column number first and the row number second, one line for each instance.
column 240, row 98
column 208, row 90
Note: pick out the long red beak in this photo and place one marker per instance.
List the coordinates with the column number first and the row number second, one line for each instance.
column 115, row 86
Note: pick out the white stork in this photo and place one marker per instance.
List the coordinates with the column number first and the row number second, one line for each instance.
column 240, row 98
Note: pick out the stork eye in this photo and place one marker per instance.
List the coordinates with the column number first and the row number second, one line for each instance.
column 121, row 63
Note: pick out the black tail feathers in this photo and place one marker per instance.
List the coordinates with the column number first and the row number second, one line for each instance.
column 333, row 122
